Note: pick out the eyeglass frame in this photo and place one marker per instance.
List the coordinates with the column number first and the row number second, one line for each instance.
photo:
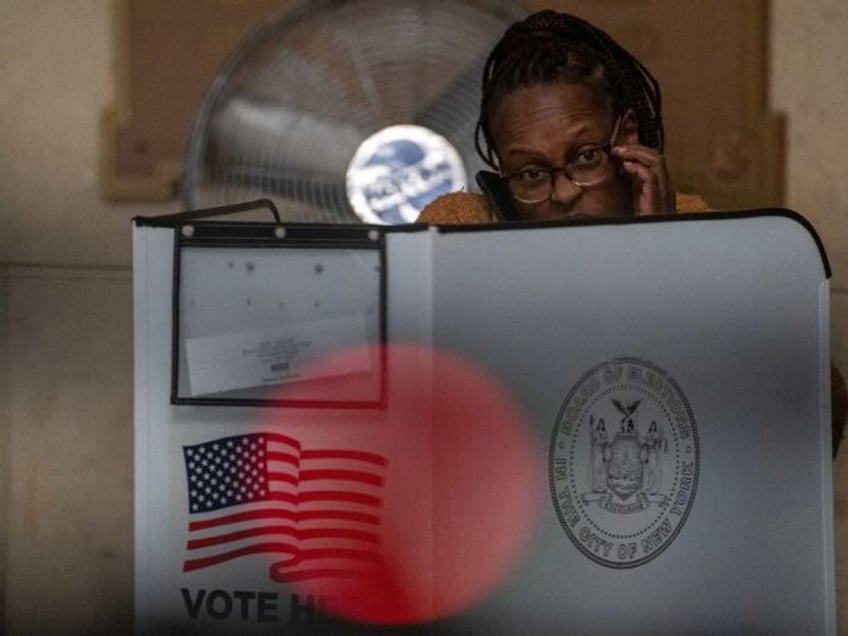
column 553, row 172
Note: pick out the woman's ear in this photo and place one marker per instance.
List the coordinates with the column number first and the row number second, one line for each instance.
column 629, row 129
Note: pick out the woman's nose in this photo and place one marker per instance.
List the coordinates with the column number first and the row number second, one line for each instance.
column 565, row 191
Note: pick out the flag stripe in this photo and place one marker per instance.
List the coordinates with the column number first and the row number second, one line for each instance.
column 195, row 544
column 286, row 458
column 371, row 458
column 323, row 533
column 280, row 513
column 338, row 553
column 283, row 477
column 338, row 515
column 339, row 495
column 359, row 476
column 258, row 548
column 281, row 496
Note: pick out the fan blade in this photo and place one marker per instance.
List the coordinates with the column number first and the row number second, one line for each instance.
column 288, row 137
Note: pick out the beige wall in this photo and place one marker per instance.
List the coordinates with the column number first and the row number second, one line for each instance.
column 56, row 61
column 809, row 57
column 69, row 519
column 65, row 330
column 65, row 296
column 810, row 84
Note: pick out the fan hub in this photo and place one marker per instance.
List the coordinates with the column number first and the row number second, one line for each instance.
column 398, row 170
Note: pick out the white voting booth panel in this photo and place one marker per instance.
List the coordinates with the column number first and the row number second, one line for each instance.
column 673, row 381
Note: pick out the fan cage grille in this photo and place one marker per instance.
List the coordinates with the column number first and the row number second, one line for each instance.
column 293, row 104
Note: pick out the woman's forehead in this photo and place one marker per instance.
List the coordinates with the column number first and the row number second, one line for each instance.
column 535, row 110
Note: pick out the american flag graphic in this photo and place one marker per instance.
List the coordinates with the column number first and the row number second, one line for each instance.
column 316, row 511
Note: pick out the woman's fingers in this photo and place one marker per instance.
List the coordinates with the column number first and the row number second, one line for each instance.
column 652, row 189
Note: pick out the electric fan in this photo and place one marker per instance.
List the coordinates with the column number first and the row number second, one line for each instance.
column 342, row 111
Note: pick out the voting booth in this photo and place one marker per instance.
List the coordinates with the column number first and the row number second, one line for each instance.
column 600, row 427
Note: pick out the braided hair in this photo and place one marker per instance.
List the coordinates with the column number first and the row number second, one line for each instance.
column 549, row 47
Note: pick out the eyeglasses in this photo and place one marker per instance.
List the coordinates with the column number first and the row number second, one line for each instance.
column 588, row 168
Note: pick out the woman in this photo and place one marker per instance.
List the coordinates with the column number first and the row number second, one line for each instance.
column 572, row 123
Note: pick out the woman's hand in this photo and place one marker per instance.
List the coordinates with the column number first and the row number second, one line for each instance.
column 652, row 189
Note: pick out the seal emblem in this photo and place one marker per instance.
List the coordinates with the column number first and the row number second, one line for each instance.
column 624, row 461
column 398, row 170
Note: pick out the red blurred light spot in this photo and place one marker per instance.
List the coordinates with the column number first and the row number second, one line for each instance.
column 459, row 492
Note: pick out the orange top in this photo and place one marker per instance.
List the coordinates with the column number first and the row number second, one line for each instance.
column 468, row 208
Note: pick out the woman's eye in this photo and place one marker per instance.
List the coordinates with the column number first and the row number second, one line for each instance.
column 588, row 158
column 531, row 175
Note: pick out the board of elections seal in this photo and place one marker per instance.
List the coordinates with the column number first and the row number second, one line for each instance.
column 398, row 170
column 623, row 464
